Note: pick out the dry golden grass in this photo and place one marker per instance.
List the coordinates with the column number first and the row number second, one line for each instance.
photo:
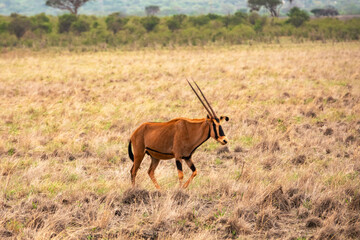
column 292, row 170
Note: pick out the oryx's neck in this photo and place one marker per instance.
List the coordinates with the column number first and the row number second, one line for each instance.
column 200, row 133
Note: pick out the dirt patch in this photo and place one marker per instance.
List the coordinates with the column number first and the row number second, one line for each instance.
column 353, row 231
column 238, row 149
column 355, row 203
column 269, row 146
column 328, row 132
column 327, row 233
column 277, row 199
column 134, row 195
column 223, row 150
column 298, row 160
column 292, row 191
column 180, row 197
column 311, row 114
column 324, row 207
column 268, row 163
column 247, row 214
column 237, row 227
column 251, row 122
column 302, row 213
column 297, row 200
column 265, row 221
column 286, row 95
column 330, row 100
column 6, row 234
column 313, row 222
column 149, row 234
column 350, row 140
column 71, row 157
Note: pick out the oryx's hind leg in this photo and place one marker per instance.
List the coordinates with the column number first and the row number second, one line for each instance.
column 180, row 171
column 138, row 157
column 151, row 171
column 194, row 172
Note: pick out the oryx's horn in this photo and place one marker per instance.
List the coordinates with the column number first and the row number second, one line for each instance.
column 207, row 109
column 212, row 110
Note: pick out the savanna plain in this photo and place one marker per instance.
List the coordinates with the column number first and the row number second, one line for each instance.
column 291, row 169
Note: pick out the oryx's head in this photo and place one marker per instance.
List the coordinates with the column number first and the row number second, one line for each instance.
column 216, row 130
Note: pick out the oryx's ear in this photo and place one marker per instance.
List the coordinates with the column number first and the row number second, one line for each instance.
column 207, row 116
column 222, row 118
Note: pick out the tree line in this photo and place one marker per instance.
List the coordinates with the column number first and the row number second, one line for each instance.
column 116, row 29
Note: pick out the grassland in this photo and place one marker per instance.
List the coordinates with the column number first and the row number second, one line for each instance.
column 290, row 171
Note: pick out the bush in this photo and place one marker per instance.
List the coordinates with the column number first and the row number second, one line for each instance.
column 3, row 26
column 200, row 20
column 65, row 22
column 297, row 17
column 41, row 23
column 175, row 22
column 80, row 26
column 19, row 25
column 116, row 22
column 149, row 23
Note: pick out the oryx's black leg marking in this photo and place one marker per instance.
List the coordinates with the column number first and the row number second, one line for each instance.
column 179, row 165
column 180, row 171
column 194, row 172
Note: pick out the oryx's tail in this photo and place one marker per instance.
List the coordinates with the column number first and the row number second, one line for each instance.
column 131, row 155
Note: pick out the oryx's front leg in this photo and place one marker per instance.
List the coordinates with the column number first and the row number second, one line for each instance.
column 180, row 171
column 194, row 172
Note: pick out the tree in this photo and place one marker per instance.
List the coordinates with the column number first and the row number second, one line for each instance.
column 327, row 11
column 273, row 6
column 151, row 10
column 150, row 23
column 71, row 5
column 297, row 17
column 19, row 25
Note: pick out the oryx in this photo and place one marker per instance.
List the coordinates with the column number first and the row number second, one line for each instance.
column 178, row 138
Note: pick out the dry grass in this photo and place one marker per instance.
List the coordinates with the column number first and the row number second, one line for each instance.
column 65, row 119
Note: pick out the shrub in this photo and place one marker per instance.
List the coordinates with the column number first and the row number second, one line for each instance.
column 116, row 22
column 3, row 26
column 80, row 26
column 200, row 20
column 41, row 23
column 149, row 23
column 175, row 22
column 19, row 25
column 65, row 22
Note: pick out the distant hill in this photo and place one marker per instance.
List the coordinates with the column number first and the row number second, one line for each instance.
column 168, row 7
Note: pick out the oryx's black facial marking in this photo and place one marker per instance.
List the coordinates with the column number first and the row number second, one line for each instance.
column 217, row 120
column 215, row 132
column 221, row 132
column 178, row 165
column 193, row 168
